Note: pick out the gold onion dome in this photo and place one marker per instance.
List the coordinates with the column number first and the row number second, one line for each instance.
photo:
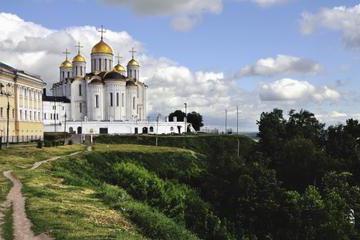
column 119, row 68
column 102, row 47
column 66, row 64
column 79, row 58
column 133, row 62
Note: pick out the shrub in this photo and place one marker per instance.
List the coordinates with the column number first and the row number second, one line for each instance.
column 39, row 144
column 70, row 142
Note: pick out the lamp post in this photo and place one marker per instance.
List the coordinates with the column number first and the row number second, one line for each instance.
column 185, row 119
column 65, row 128
column 157, row 129
column 7, row 94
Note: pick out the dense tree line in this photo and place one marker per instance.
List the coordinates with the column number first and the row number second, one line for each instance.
column 301, row 181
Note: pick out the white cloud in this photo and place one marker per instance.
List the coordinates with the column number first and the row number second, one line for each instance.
column 38, row 50
column 336, row 114
column 281, row 64
column 343, row 19
column 267, row 3
column 293, row 90
column 186, row 13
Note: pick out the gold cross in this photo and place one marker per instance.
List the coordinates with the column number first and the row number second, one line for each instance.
column 102, row 31
column 78, row 46
column 66, row 53
column 133, row 52
column 118, row 58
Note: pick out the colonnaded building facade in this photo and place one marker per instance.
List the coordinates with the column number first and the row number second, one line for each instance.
column 21, row 106
column 109, row 99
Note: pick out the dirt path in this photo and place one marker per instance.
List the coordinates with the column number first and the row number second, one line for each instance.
column 38, row 164
column 21, row 224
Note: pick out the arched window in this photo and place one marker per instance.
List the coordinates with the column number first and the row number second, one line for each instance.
column 134, row 103
column 76, row 71
column 99, row 64
column 151, row 129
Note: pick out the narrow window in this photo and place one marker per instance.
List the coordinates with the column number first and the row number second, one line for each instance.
column 134, row 103
column 111, row 99
column 100, row 64
column 44, row 115
column 97, row 101
column 117, row 99
column 50, row 116
column 122, row 100
column 68, row 74
column 105, row 64
column 20, row 114
column 81, row 71
column 80, row 92
column 30, row 115
column 80, row 107
column 63, row 75
column 39, row 116
column 94, row 64
column 1, row 112
column 76, row 71
column 25, row 115
column 13, row 113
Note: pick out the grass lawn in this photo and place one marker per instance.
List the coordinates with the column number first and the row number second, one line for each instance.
column 71, row 212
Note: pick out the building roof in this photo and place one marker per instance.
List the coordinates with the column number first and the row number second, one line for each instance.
column 14, row 71
column 114, row 75
column 55, row 99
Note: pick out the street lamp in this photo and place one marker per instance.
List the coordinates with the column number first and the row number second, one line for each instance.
column 185, row 119
column 7, row 94
column 157, row 128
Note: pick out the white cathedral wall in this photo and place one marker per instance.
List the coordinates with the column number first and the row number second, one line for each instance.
column 96, row 113
column 79, row 69
column 78, row 102
column 114, row 111
column 101, row 62
column 131, row 111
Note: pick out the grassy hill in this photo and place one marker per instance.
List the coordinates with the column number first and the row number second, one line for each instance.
column 123, row 191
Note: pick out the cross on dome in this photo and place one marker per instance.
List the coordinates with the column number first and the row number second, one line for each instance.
column 79, row 46
column 119, row 57
column 66, row 53
column 133, row 52
column 102, row 31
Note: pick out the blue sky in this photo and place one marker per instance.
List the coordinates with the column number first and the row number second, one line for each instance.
column 225, row 41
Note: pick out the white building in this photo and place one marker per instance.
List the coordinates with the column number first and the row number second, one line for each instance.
column 109, row 99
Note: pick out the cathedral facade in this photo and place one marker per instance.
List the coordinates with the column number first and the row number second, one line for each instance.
column 108, row 99
column 107, row 92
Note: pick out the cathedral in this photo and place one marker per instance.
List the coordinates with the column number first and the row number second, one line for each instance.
column 108, row 99
column 107, row 92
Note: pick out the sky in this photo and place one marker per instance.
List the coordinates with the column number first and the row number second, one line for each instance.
column 212, row 54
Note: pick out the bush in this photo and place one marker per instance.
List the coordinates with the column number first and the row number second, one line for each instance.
column 39, row 144
column 70, row 142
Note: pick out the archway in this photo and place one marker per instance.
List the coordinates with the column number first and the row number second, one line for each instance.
column 145, row 130
column 79, row 130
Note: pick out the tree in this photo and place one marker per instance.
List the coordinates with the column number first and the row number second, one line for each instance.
column 180, row 115
column 195, row 119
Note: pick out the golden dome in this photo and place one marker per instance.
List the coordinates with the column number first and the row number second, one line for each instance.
column 79, row 58
column 133, row 63
column 102, row 47
column 66, row 64
column 119, row 68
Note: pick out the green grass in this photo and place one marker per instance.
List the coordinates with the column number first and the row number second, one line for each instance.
column 7, row 226
column 71, row 212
